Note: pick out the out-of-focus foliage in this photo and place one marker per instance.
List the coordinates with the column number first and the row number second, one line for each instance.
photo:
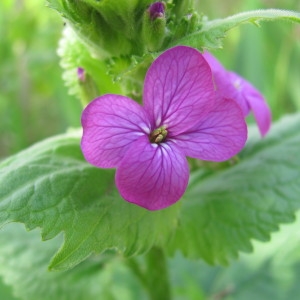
column 102, row 277
column 270, row 272
column 34, row 103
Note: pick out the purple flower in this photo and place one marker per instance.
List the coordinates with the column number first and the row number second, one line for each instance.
column 148, row 144
column 232, row 86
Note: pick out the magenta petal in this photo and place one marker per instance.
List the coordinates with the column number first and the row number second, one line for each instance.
column 261, row 112
column 232, row 86
column 178, row 89
column 248, row 94
column 214, row 64
column 220, row 136
column 110, row 124
column 152, row 176
column 229, row 85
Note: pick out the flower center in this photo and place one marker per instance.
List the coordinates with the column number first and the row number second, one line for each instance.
column 158, row 135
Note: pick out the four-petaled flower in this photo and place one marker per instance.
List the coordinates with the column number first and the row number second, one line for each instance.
column 181, row 116
column 232, row 86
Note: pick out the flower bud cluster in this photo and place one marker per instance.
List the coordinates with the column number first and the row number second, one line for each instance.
column 117, row 28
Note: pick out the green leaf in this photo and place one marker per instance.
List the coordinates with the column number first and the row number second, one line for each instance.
column 23, row 265
column 51, row 186
column 212, row 32
column 272, row 271
column 223, row 212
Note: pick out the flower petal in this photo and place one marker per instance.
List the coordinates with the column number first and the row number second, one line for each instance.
column 110, row 124
column 153, row 176
column 178, row 89
column 261, row 112
column 232, row 86
column 255, row 101
column 220, row 136
column 229, row 85
column 214, row 64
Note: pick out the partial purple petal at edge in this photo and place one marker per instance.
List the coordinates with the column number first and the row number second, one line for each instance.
column 232, row 86
column 255, row 101
column 261, row 112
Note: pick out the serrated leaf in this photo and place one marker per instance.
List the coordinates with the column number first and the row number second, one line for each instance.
column 23, row 265
column 212, row 32
column 222, row 213
column 271, row 272
column 51, row 186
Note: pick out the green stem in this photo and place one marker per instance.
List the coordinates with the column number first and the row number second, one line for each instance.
column 157, row 275
column 88, row 89
column 154, row 274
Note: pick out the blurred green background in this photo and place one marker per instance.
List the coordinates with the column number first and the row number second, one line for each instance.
column 34, row 103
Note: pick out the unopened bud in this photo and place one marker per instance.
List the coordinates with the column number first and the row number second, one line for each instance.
column 154, row 26
column 88, row 87
column 157, row 10
column 81, row 74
